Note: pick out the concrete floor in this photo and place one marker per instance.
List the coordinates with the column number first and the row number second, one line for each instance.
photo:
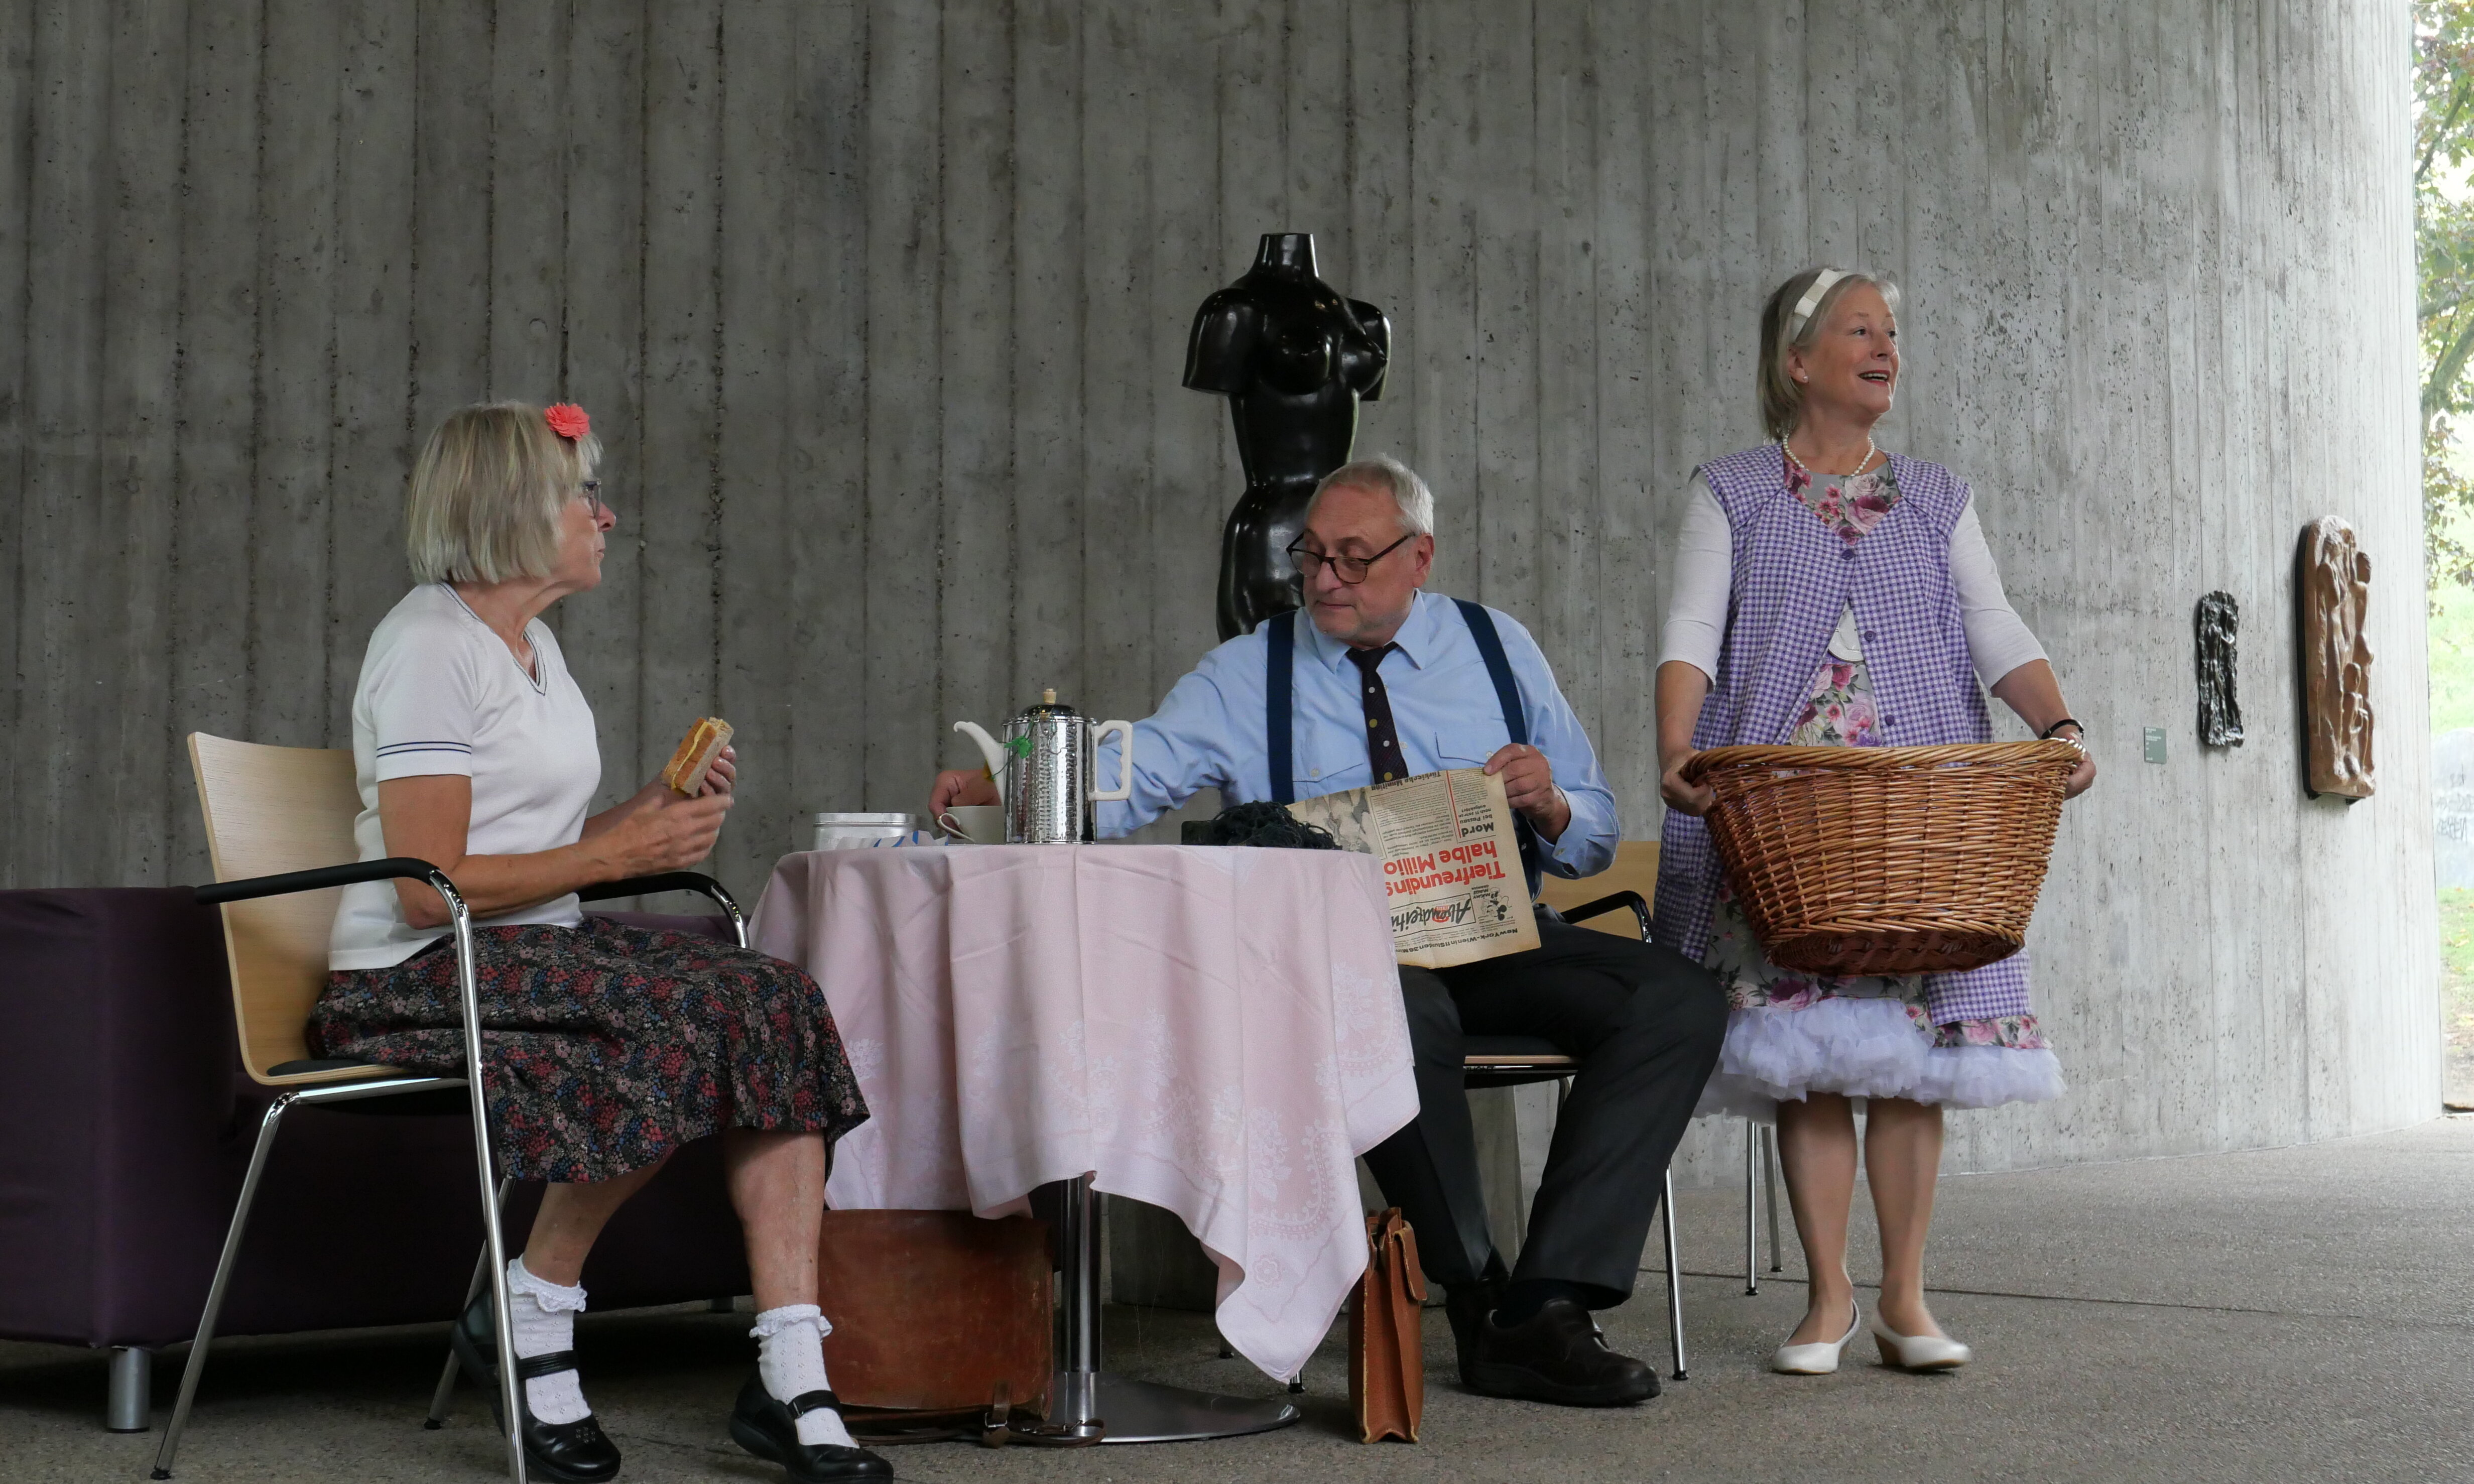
column 2292, row 1314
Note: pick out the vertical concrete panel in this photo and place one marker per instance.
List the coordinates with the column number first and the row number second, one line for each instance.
column 372, row 440
column 140, row 344
column 904, row 333
column 1050, row 434
column 17, row 223
column 451, row 210
column 71, row 589
column 757, row 674
column 216, row 460
column 827, row 455
column 682, row 496
column 983, row 575
column 602, row 362
column 289, row 510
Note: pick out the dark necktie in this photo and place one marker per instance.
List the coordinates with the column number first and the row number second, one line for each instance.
column 1382, row 738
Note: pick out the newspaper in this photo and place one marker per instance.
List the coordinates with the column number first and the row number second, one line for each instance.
column 1451, row 866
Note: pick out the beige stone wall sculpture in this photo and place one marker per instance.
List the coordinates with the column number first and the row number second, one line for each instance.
column 2336, row 597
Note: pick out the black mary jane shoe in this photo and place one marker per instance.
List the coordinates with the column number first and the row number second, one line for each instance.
column 576, row 1453
column 769, row 1429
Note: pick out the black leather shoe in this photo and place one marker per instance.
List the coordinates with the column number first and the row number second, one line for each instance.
column 1467, row 1305
column 576, row 1453
column 770, row 1430
column 1557, row 1355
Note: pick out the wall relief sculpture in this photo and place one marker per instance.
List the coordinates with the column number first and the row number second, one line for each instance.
column 2219, row 620
column 2335, row 592
column 1294, row 359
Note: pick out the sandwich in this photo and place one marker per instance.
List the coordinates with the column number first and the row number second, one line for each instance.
column 685, row 775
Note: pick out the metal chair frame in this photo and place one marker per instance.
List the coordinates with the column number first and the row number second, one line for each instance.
column 1514, row 1070
column 387, row 1083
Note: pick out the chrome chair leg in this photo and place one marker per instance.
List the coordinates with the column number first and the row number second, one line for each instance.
column 469, row 984
column 1674, row 1276
column 1752, row 1207
column 1770, row 1152
column 205, row 1336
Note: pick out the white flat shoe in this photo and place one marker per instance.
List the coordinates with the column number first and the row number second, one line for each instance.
column 1821, row 1357
column 1918, row 1351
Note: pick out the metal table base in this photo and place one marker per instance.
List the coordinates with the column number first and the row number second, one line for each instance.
column 1087, row 1401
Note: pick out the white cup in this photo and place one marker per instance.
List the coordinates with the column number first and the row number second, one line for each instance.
column 976, row 824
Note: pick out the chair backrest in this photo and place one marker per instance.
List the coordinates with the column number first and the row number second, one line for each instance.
column 1635, row 869
column 270, row 810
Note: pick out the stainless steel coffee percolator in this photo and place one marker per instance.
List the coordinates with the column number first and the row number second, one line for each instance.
column 1044, row 770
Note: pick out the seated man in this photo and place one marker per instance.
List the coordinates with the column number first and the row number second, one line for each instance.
column 1385, row 682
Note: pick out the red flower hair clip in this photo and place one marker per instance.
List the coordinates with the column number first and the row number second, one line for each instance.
column 568, row 421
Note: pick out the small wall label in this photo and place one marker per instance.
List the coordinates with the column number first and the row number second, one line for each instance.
column 2154, row 739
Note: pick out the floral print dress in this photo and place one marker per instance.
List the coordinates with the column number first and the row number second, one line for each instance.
column 1793, row 1031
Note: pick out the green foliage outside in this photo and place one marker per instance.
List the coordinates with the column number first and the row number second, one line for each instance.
column 2456, row 990
column 2444, row 217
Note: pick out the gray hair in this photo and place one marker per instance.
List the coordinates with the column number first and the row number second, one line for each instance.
column 1782, row 396
column 1384, row 475
column 487, row 494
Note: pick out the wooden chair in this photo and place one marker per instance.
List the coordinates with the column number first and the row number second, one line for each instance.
column 278, row 820
column 1513, row 1060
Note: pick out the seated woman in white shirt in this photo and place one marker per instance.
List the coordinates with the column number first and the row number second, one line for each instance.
column 611, row 1046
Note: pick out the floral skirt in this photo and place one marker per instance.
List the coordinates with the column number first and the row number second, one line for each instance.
column 606, row 1046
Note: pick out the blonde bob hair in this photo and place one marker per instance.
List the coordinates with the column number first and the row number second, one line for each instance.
column 1782, row 396
column 487, row 494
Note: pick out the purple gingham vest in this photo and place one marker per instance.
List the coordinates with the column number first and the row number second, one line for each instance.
column 1792, row 577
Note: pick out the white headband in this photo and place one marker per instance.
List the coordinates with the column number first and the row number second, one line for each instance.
column 1811, row 300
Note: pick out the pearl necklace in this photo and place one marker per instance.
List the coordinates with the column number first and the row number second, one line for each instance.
column 1860, row 464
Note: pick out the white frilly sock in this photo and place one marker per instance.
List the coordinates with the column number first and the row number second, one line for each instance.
column 790, row 1360
column 543, row 1315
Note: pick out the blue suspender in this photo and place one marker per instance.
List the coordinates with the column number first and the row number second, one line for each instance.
column 1280, row 662
column 1515, row 719
column 1280, row 638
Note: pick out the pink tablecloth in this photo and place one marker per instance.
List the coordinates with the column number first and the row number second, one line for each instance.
column 1215, row 1031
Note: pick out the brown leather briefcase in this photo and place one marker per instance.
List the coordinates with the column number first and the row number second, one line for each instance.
column 1387, row 1355
column 936, row 1311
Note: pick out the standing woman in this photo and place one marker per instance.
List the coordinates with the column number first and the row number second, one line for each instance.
column 608, row 1046
column 1829, row 594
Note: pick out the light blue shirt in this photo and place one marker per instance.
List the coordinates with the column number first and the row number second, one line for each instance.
column 1209, row 731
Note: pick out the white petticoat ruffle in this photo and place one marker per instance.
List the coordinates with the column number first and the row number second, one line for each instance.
column 1864, row 1048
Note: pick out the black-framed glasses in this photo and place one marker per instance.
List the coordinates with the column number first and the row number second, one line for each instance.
column 591, row 488
column 1350, row 569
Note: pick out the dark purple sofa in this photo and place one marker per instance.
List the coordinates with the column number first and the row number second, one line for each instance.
column 126, row 1124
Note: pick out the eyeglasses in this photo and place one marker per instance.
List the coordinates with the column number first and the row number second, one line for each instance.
column 590, row 490
column 1350, row 569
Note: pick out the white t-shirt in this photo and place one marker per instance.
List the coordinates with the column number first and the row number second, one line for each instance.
column 441, row 694
column 1998, row 641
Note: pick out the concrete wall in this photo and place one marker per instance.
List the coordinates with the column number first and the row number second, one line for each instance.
column 880, row 309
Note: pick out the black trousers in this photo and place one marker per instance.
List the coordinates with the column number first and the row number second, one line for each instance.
column 1644, row 1023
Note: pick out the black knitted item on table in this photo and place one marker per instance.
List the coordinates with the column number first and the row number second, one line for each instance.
column 1264, row 824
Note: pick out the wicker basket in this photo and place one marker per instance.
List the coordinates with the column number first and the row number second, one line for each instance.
column 1886, row 860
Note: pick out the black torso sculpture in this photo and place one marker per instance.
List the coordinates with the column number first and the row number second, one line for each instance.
column 1295, row 359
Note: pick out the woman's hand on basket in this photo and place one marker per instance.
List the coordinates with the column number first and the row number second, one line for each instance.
column 2082, row 777
column 1692, row 798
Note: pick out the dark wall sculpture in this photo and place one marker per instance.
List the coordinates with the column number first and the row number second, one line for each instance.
column 1294, row 359
column 2217, row 620
column 2335, row 592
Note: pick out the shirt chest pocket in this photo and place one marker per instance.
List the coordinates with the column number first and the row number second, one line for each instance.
column 1470, row 745
column 1328, row 765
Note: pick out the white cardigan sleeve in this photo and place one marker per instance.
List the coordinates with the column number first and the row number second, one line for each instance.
column 1696, row 607
column 1998, row 641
